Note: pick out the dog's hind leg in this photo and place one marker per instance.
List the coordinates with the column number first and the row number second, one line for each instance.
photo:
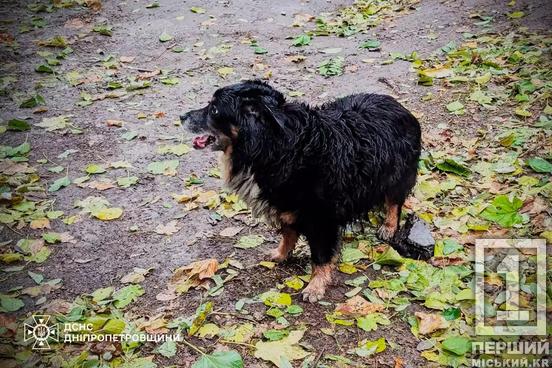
column 323, row 242
column 287, row 244
column 392, row 219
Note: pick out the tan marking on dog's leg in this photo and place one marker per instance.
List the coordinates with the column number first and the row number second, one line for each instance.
column 320, row 278
column 391, row 223
column 287, row 218
column 286, row 246
column 226, row 164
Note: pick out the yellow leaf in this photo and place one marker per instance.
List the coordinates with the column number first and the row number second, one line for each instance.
column 107, row 214
column 225, row 71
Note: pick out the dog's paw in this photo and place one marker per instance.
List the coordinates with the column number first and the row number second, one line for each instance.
column 313, row 292
column 277, row 255
column 385, row 233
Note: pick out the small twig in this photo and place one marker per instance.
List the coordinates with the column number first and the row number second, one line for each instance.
column 193, row 346
column 237, row 343
column 317, row 359
column 138, row 68
column 15, row 231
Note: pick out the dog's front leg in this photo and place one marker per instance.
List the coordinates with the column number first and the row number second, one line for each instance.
column 287, row 244
column 323, row 241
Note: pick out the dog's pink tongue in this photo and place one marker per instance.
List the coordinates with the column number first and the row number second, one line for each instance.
column 201, row 141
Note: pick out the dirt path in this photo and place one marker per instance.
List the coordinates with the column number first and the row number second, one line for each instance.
column 122, row 95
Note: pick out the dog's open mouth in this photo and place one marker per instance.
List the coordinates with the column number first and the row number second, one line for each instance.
column 202, row 141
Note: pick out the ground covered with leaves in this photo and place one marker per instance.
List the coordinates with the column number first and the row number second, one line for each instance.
column 110, row 219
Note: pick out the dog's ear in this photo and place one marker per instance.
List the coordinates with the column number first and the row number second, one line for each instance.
column 260, row 110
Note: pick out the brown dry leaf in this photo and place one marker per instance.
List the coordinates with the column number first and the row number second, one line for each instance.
column 196, row 274
column 67, row 238
column 168, row 229
column 203, row 269
column 136, row 276
column 358, row 306
column 159, row 114
column 231, row 231
column 429, row 322
column 155, row 325
column 127, row 59
column 296, row 59
column 447, row 261
column 114, row 123
column 166, row 295
column 399, row 362
column 98, row 184
column 41, row 223
column 185, row 197
column 95, row 5
column 300, row 19
column 204, row 197
column 148, row 75
column 74, row 23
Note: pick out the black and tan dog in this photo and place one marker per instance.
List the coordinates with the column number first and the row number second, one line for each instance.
column 311, row 170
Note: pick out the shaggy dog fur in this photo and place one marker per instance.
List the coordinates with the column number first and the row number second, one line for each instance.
column 312, row 170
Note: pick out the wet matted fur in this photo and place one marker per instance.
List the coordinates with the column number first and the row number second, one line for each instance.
column 311, row 170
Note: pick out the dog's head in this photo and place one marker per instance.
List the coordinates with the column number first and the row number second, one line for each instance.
column 235, row 110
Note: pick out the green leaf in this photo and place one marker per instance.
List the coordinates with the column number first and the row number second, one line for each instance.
column 220, row 359
column 260, row 50
column 200, row 316
column 33, row 102
column 371, row 321
column 10, row 304
column 103, row 29
column 352, row 255
column 43, row 68
column 371, row 44
column 167, row 167
column 170, row 81
column 197, row 10
column 449, row 165
column 127, row 295
column 178, row 149
column 301, row 40
column 275, row 335
column 114, row 326
column 503, row 211
column 331, row 67
column 283, row 350
column 18, row 125
column 275, row 299
column 450, row 246
column 129, row 135
column 138, row 363
column 94, row 169
column 249, row 241
column 451, row 313
column 59, row 183
column 127, row 181
column 540, row 165
column 369, row 347
column 456, row 107
column 167, row 349
column 390, row 257
column 164, row 37
column 457, row 345
column 102, row 294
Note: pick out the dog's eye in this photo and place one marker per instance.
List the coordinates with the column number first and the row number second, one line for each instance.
column 214, row 110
